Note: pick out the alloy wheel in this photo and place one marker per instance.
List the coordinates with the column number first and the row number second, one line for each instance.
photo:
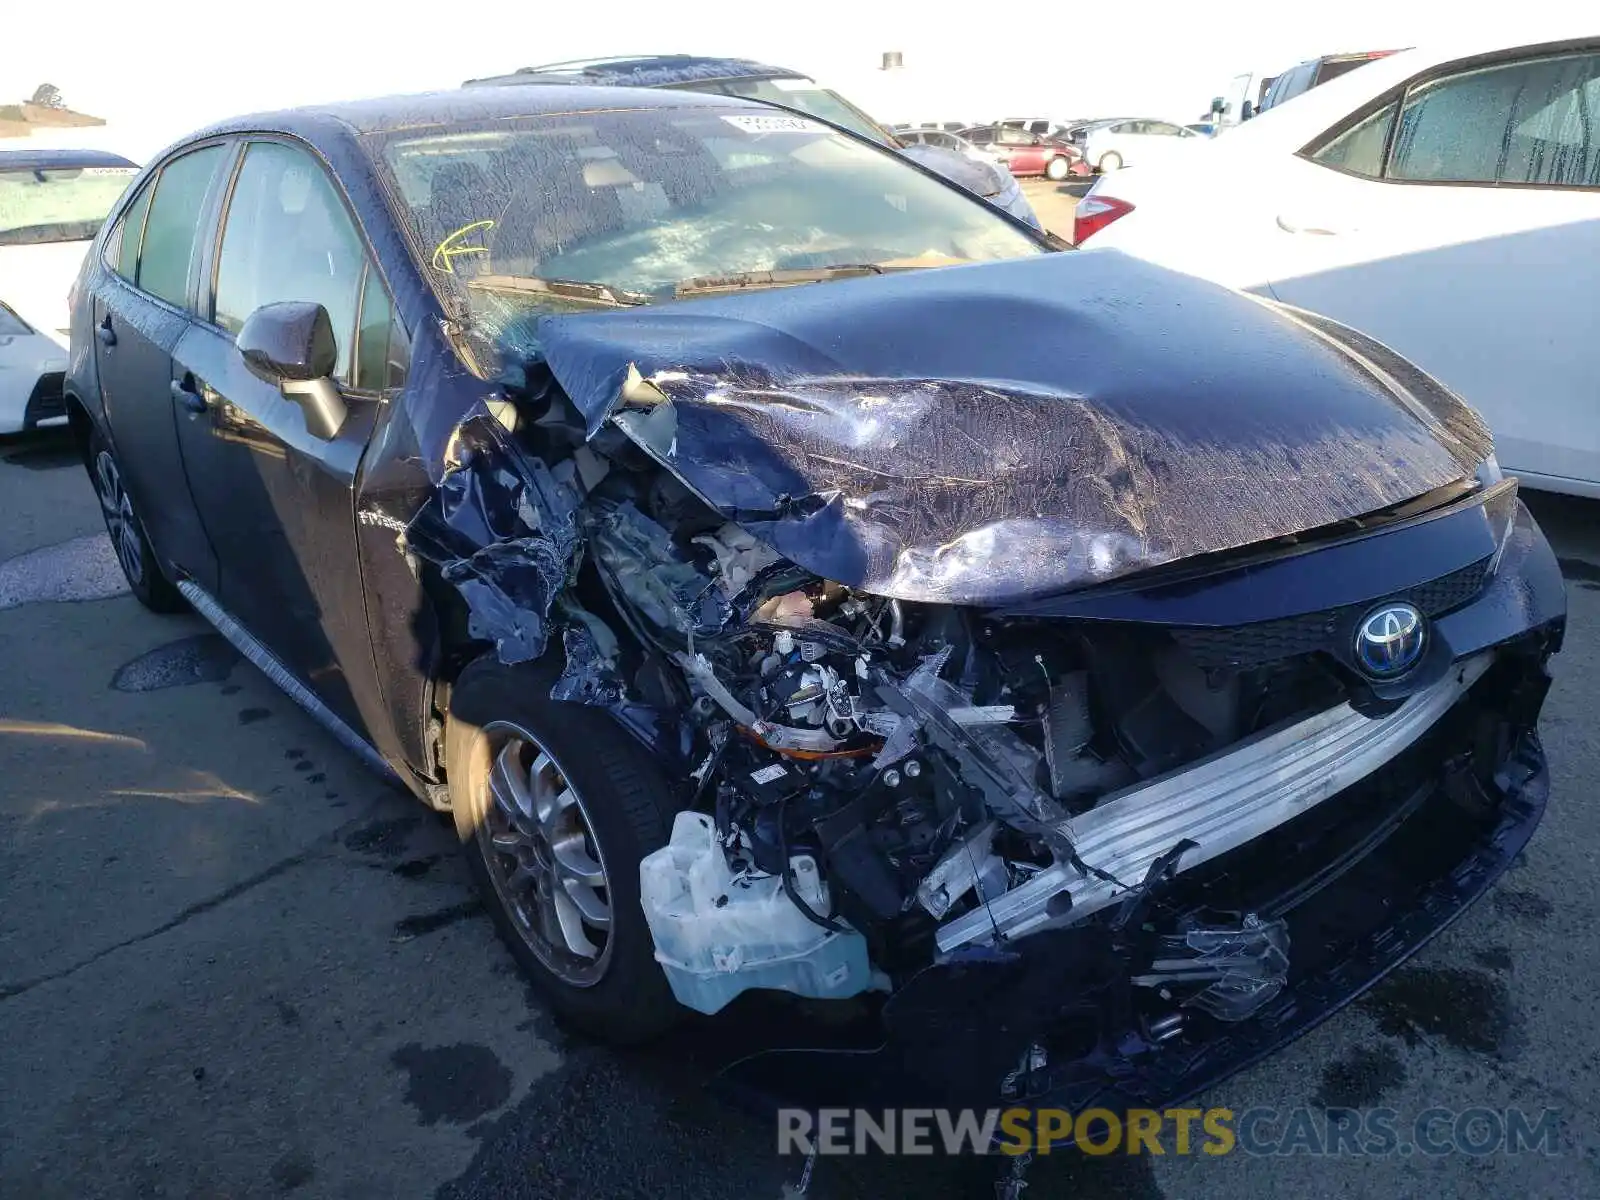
column 542, row 856
column 121, row 524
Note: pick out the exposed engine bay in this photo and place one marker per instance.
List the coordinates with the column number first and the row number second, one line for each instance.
column 913, row 760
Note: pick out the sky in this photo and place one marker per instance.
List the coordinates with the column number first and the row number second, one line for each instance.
column 157, row 69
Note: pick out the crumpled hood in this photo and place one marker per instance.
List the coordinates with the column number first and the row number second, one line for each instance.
column 998, row 432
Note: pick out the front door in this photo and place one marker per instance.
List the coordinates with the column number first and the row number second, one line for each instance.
column 139, row 317
column 277, row 501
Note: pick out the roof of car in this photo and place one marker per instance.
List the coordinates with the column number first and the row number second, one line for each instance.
column 464, row 106
column 1287, row 126
column 645, row 70
column 59, row 160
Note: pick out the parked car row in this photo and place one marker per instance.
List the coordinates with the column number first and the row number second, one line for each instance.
column 1030, row 144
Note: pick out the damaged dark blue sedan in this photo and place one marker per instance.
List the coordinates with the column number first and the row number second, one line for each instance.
column 797, row 578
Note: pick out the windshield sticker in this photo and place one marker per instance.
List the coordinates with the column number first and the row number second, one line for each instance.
column 451, row 248
column 760, row 123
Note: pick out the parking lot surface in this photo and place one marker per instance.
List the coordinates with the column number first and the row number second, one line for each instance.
column 1054, row 203
column 234, row 964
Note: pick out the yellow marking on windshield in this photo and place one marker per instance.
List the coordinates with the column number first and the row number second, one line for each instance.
column 450, row 249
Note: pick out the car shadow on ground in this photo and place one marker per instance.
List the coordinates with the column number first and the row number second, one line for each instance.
column 40, row 450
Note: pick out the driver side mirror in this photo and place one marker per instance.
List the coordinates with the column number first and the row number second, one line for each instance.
column 291, row 344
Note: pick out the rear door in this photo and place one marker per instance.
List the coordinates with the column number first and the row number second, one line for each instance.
column 1460, row 224
column 139, row 317
column 278, row 502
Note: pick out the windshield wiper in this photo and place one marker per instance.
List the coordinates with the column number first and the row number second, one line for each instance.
column 567, row 289
column 703, row 285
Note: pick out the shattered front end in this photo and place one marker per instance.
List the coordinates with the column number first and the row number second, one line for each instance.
column 1089, row 783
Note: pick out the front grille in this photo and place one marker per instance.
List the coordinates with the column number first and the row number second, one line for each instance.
column 1242, row 647
column 47, row 399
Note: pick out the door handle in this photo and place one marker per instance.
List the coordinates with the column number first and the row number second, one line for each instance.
column 186, row 393
column 1290, row 226
column 106, row 334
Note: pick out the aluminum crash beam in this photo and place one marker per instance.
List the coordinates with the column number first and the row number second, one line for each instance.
column 1219, row 804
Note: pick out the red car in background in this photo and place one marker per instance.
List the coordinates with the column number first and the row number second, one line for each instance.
column 1029, row 153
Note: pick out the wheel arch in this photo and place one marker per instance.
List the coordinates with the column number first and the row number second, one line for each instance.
column 82, row 424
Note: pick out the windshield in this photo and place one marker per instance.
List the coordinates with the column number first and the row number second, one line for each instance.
column 639, row 205
column 806, row 95
column 57, row 204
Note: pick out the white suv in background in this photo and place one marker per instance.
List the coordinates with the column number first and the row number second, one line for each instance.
column 51, row 204
column 1444, row 201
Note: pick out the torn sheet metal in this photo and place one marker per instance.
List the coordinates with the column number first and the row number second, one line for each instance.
column 991, row 433
column 503, row 531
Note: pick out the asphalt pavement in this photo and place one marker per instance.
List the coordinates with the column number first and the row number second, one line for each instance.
column 233, row 964
column 1054, row 203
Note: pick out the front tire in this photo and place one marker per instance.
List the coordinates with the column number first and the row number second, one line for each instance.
column 1056, row 169
column 140, row 566
column 1110, row 161
column 555, row 805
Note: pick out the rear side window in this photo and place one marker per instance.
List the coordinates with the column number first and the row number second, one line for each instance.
column 1533, row 122
column 288, row 237
column 1359, row 149
column 169, row 242
column 122, row 247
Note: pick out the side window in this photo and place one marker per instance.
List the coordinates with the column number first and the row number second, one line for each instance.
column 1553, row 140
column 382, row 354
column 1527, row 122
column 1359, row 149
column 1296, row 81
column 169, row 231
column 122, row 244
column 1012, row 136
column 288, row 237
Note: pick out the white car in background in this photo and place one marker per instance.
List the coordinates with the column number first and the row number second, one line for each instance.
column 1443, row 201
column 927, row 135
column 1111, row 145
column 51, row 205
